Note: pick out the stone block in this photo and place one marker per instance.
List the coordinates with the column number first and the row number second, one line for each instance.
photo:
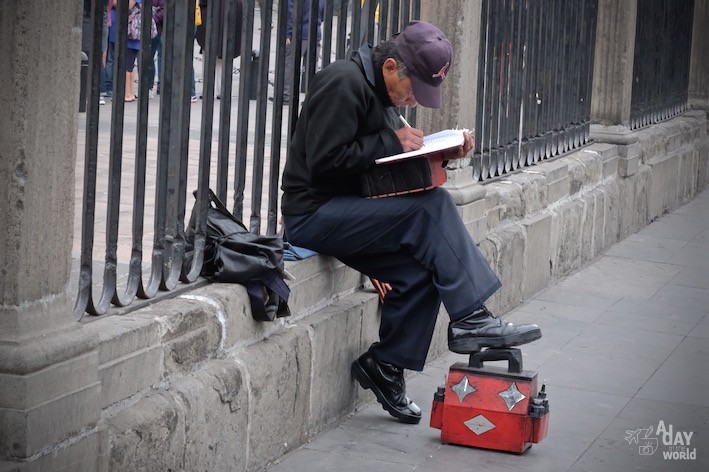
column 23, row 433
column 537, row 264
column 634, row 194
column 534, row 191
column 510, row 246
column 577, row 175
column 474, row 216
column 566, row 228
column 312, row 291
column 612, row 214
column 687, row 176
column 279, row 373
column 599, row 222
column 86, row 454
column 232, row 304
column 588, row 223
column 336, row 343
column 664, row 183
column 123, row 377
column 344, row 279
column 190, row 331
column 216, row 410
column 309, row 267
column 628, row 159
column 22, row 392
column 124, row 335
column 593, row 163
column 148, row 436
column 439, row 340
column 511, row 204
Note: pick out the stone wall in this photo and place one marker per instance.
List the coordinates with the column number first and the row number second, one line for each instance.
column 193, row 382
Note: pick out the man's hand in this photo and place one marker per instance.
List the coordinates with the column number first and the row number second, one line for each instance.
column 411, row 139
column 460, row 151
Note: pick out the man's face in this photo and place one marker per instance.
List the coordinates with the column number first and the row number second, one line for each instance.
column 400, row 91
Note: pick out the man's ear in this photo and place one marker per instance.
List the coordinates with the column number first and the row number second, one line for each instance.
column 390, row 67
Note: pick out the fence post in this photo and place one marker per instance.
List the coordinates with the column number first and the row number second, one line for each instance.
column 460, row 87
column 613, row 63
column 49, row 388
column 699, row 61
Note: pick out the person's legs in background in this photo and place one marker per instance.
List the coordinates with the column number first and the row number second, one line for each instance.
column 155, row 46
column 131, row 54
column 108, row 69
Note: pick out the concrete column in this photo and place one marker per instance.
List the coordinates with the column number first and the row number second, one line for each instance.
column 48, row 365
column 699, row 59
column 613, row 62
column 460, row 21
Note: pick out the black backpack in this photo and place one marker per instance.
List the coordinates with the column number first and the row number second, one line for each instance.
column 233, row 254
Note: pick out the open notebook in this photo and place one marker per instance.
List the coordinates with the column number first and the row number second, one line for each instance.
column 446, row 139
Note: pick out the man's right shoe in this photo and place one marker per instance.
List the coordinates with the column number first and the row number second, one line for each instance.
column 482, row 329
column 387, row 383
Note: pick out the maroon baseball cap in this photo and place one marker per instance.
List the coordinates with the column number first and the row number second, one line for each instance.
column 427, row 54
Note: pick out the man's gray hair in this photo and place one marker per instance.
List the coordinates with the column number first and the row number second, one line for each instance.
column 385, row 50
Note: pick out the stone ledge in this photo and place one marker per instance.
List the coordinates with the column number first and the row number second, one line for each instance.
column 257, row 376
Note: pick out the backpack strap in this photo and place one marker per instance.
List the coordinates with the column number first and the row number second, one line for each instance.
column 268, row 297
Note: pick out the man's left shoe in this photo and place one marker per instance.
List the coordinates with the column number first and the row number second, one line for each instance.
column 387, row 383
column 482, row 329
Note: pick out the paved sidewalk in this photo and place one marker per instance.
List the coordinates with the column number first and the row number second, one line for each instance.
column 625, row 346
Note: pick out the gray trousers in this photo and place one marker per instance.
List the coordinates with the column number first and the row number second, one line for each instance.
column 290, row 64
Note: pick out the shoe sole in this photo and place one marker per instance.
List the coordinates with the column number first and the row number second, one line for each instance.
column 367, row 383
column 467, row 346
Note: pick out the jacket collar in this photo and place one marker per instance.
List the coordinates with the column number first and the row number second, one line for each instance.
column 363, row 57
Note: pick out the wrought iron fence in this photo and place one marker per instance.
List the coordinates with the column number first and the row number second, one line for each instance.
column 663, row 43
column 174, row 164
column 534, row 89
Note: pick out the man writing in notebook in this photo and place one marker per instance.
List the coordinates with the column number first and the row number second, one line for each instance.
column 415, row 242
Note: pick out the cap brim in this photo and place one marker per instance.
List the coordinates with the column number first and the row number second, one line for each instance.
column 426, row 95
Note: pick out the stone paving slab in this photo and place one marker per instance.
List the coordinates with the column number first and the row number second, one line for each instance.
column 625, row 346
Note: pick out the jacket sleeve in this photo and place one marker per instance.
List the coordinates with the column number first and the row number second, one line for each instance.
column 346, row 128
column 289, row 22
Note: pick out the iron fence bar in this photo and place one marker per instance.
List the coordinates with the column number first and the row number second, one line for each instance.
column 277, row 119
column 242, row 126
column 124, row 298
column 394, row 24
column 312, row 60
column 384, row 20
column 367, row 21
column 523, row 137
column 415, row 14
column 158, row 258
column 114, row 167
column 84, row 295
column 296, row 45
column 327, row 32
column 191, row 267
column 260, row 135
column 341, row 44
column 226, row 94
column 178, row 146
column 179, row 264
column 355, row 26
column 405, row 14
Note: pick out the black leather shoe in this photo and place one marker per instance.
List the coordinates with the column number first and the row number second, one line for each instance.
column 387, row 383
column 482, row 329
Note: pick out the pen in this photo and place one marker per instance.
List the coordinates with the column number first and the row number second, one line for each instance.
column 403, row 120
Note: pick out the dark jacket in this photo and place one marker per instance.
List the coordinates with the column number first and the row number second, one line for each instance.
column 306, row 18
column 235, row 29
column 345, row 124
